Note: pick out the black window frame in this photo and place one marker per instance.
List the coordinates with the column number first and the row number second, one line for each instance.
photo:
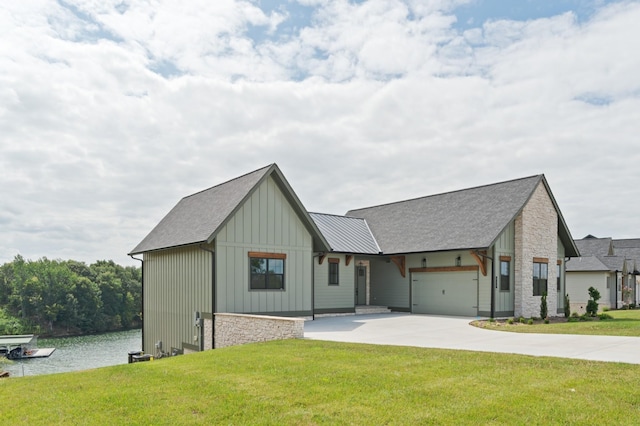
column 505, row 280
column 540, row 283
column 268, row 272
column 334, row 272
column 559, row 278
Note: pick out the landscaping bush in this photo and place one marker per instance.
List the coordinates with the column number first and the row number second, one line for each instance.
column 544, row 311
column 510, row 321
column 521, row 319
column 604, row 316
column 592, row 304
column 530, row 322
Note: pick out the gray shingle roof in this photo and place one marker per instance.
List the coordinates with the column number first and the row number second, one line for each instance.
column 586, row 264
column 346, row 234
column 198, row 217
column 613, row 254
column 467, row 219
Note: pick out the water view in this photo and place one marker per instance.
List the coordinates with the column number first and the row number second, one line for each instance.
column 79, row 353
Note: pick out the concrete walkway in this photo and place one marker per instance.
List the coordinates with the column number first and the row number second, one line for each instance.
column 431, row 331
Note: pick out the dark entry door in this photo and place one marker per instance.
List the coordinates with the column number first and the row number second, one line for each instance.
column 361, row 285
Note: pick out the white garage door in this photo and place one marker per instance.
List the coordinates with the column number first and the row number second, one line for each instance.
column 445, row 293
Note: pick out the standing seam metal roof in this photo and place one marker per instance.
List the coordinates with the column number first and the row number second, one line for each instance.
column 346, row 234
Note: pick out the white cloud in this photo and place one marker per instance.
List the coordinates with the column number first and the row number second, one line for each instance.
column 112, row 111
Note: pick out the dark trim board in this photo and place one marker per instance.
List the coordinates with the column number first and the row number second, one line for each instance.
column 334, row 311
column 191, row 347
column 503, row 314
column 279, row 314
column 395, row 309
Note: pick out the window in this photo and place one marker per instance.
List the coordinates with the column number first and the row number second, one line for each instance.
column 558, row 279
column 334, row 276
column 540, row 274
column 267, row 273
column 505, row 275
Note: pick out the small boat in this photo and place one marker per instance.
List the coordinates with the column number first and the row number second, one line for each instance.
column 22, row 347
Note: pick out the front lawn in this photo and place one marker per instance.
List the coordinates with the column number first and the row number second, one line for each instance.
column 624, row 323
column 305, row 382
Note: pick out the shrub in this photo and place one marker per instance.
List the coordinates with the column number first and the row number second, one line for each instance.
column 546, row 320
column 510, row 321
column 573, row 318
column 492, row 320
column 604, row 316
column 575, row 315
column 567, row 306
column 592, row 304
column 530, row 322
column 605, row 309
column 543, row 306
column 521, row 319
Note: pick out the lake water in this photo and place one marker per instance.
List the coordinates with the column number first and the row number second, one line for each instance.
column 79, row 353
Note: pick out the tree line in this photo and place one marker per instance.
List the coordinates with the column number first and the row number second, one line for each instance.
column 57, row 297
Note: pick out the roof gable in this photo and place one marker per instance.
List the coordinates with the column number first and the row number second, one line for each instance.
column 197, row 218
column 467, row 219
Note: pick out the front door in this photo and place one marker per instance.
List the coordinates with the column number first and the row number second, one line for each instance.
column 361, row 285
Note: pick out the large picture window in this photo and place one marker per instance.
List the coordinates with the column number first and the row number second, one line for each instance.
column 540, row 275
column 505, row 275
column 267, row 271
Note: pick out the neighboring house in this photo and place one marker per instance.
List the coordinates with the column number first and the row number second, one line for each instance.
column 609, row 266
column 249, row 246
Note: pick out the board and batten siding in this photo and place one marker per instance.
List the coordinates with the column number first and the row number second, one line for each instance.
column 177, row 284
column 266, row 222
column 339, row 297
column 504, row 246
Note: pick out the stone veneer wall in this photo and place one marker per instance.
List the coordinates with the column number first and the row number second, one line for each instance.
column 536, row 235
column 238, row 329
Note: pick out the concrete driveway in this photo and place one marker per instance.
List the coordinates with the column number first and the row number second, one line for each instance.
column 430, row 331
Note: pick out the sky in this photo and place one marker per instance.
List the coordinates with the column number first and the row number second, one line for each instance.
column 111, row 111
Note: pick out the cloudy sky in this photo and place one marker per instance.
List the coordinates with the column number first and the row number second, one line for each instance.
column 113, row 110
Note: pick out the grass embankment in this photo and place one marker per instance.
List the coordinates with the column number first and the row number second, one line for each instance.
column 314, row 382
column 624, row 323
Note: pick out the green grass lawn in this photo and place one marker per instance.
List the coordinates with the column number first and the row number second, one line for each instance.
column 624, row 323
column 304, row 382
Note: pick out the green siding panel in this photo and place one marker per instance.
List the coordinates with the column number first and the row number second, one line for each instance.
column 337, row 297
column 177, row 283
column 270, row 225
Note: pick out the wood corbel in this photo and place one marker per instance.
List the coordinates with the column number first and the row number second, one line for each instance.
column 348, row 259
column 321, row 258
column 400, row 262
column 481, row 259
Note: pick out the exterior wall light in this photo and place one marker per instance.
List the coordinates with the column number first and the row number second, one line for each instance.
column 458, row 261
column 424, row 262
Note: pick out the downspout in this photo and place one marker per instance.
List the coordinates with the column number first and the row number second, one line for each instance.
column 313, row 285
column 494, row 282
column 213, row 297
column 141, row 296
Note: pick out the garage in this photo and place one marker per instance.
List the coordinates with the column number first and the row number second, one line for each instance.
column 445, row 293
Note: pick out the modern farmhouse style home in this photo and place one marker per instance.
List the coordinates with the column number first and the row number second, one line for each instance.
column 249, row 246
column 608, row 265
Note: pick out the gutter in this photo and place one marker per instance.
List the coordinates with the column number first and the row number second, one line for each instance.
column 141, row 296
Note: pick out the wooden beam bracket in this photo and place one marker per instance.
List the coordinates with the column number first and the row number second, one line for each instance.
column 400, row 262
column 481, row 259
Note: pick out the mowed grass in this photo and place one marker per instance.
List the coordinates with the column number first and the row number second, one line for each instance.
column 624, row 323
column 305, row 382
